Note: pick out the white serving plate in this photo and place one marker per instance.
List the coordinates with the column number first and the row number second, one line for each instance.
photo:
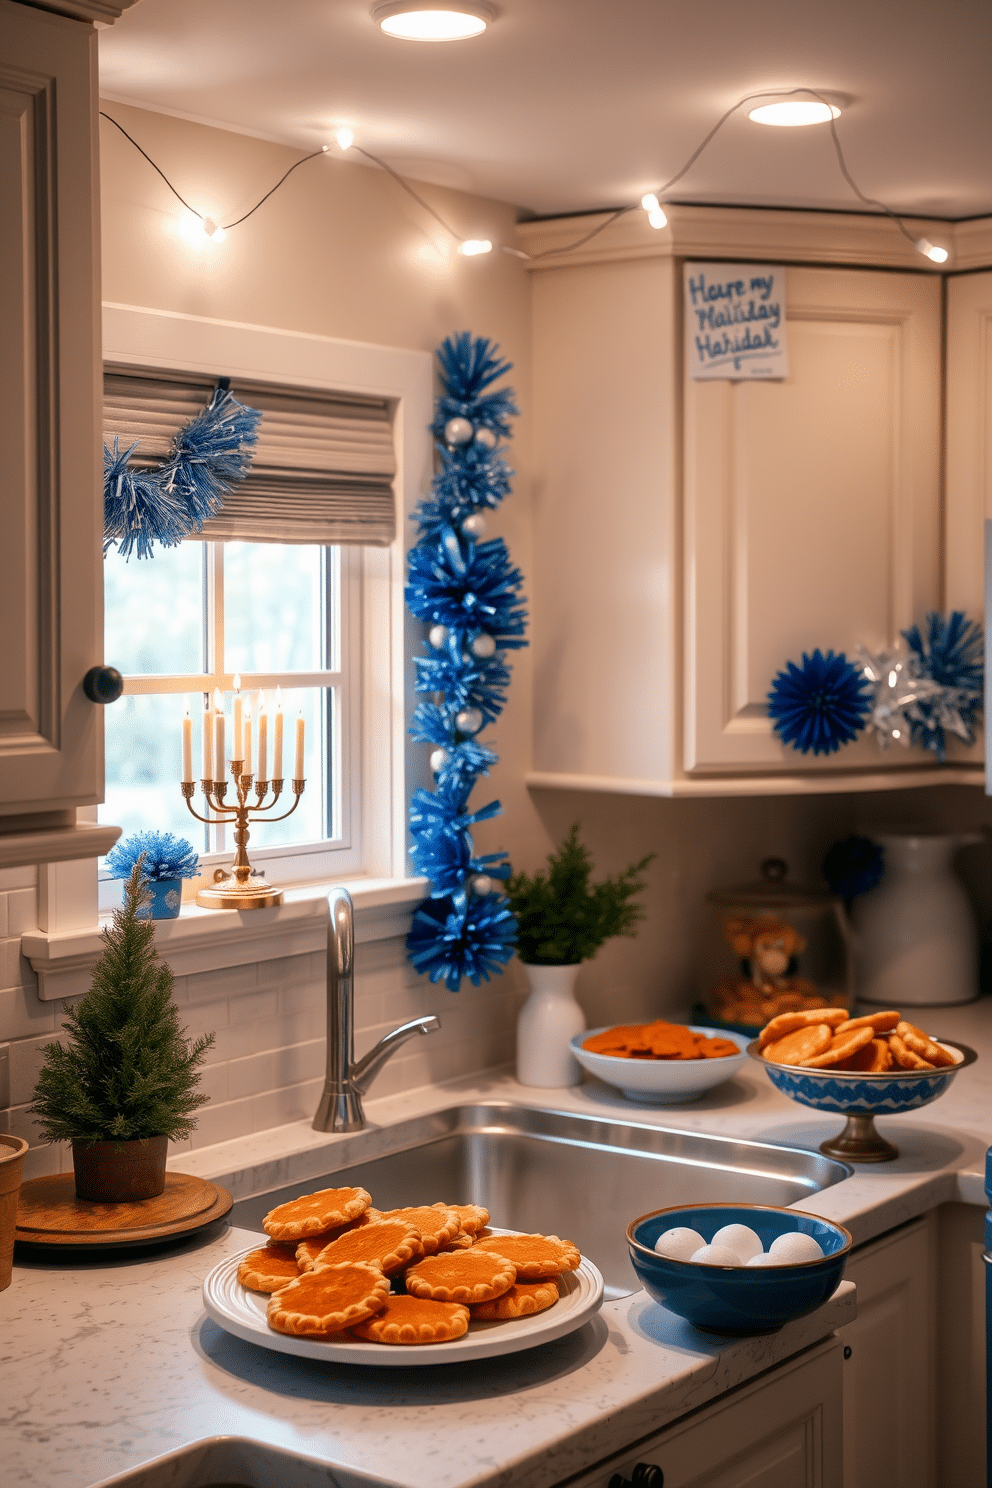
column 242, row 1313
column 663, row 1082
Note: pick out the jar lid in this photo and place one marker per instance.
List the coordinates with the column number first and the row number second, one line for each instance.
column 773, row 892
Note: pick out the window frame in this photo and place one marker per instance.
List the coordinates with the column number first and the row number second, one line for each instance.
column 386, row 763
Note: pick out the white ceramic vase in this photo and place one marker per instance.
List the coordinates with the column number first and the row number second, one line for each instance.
column 548, row 1020
column 915, row 935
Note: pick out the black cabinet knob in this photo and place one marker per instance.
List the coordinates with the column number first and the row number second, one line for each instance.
column 103, row 684
column 644, row 1475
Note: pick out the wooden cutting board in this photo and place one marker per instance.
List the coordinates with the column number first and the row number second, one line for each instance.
column 48, row 1212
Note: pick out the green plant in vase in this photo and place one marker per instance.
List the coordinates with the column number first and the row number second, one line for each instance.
column 563, row 919
column 125, row 1083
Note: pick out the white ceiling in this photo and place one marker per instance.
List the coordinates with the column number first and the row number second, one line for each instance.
column 572, row 105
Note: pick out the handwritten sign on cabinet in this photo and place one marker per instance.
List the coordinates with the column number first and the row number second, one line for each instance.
column 735, row 321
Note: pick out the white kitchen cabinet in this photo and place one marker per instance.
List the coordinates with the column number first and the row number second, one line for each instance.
column 51, row 608
column 690, row 538
column 784, row 1430
column 890, row 1376
column 969, row 435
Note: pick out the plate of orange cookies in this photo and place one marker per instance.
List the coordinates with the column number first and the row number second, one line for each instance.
column 339, row 1280
column 660, row 1063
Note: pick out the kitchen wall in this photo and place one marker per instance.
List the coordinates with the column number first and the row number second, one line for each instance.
column 341, row 251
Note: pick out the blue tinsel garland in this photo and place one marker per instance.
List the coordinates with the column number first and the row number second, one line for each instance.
column 166, row 856
column 468, row 592
column 208, row 455
column 953, row 655
column 819, row 705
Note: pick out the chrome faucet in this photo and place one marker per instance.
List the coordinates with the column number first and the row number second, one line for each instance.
column 340, row 1108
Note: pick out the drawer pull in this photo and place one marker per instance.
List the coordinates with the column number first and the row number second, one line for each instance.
column 103, row 684
column 644, row 1475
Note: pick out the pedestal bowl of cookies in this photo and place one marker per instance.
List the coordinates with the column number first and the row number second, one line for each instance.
column 877, row 1065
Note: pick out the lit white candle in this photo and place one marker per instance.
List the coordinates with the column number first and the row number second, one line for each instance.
column 277, row 740
column 220, row 754
column 187, row 748
column 263, row 738
column 238, row 714
column 246, row 739
column 208, row 741
column 299, row 747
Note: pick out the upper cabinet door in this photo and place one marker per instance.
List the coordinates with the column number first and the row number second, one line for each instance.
column 51, row 742
column 969, row 437
column 812, row 510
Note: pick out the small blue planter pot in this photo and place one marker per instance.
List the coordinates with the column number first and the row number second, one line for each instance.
column 167, row 896
column 738, row 1299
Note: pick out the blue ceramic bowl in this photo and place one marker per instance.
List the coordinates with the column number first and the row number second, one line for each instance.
column 738, row 1299
column 850, row 1093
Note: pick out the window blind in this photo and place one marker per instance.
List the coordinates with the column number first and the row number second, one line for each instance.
column 322, row 468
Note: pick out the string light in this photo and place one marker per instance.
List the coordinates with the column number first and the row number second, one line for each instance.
column 651, row 201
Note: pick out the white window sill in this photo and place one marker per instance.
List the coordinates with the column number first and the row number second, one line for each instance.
column 209, row 939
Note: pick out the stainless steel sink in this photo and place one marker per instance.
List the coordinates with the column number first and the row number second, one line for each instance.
column 554, row 1172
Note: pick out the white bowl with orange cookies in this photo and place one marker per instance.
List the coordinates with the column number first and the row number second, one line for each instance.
column 660, row 1063
column 861, row 1067
column 342, row 1281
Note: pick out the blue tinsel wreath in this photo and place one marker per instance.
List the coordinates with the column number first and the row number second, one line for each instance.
column 953, row 654
column 166, row 856
column 819, row 705
column 468, row 591
column 165, row 505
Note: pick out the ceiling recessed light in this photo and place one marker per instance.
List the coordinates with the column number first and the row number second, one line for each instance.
column 794, row 113
column 432, row 20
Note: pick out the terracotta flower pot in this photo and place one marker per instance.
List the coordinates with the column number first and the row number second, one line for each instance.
column 12, row 1153
column 119, row 1172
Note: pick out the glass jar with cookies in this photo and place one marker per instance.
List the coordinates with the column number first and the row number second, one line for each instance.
column 773, row 947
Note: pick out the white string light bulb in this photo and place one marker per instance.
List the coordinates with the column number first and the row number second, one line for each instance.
column 212, row 231
column 931, row 250
column 345, row 139
column 473, row 246
column 650, row 202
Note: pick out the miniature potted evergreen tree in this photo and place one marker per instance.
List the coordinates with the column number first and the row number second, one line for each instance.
column 563, row 919
column 126, row 1083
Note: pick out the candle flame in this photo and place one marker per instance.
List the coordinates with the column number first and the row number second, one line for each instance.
column 218, row 701
column 237, row 681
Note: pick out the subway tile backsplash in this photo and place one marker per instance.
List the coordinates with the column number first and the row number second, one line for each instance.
column 269, row 1018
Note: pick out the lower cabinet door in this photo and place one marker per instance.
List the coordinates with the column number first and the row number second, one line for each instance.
column 783, row 1431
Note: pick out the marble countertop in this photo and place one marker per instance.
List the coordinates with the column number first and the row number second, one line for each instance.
column 107, row 1365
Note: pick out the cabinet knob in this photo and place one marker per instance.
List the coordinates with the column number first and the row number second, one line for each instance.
column 644, row 1475
column 103, row 684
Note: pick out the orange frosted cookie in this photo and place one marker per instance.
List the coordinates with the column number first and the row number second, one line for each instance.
column 880, row 1022
column 785, row 1023
column 327, row 1299
column 522, row 1300
column 842, row 1046
column 801, row 1044
column 467, row 1276
column 414, row 1320
column 922, row 1044
column 536, row 1257
column 313, row 1213
column 389, row 1243
column 269, row 1268
column 472, row 1217
column 438, row 1224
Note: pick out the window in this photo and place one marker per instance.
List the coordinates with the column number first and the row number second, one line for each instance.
column 282, row 617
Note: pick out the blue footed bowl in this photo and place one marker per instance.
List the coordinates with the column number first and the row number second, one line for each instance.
column 850, row 1093
column 738, row 1299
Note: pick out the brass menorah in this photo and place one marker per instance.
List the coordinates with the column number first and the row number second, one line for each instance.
column 239, row 887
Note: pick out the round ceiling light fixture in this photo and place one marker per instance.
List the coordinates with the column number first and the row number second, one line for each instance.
column 432, row 20
column 794, row 113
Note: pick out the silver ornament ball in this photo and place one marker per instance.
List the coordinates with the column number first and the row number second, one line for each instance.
column 439, row 758
column 438, row 636
column 474, row 526
column 486, row 438
column 468, row 721
column 484, row 646
column 458, row 431
column 482, row 884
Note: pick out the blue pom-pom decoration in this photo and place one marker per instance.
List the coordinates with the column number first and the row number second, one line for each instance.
column 819, row 705
column 853, row 866
column 471, row 589
column 952, row 653
column 166, row 856
column 165, row 505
